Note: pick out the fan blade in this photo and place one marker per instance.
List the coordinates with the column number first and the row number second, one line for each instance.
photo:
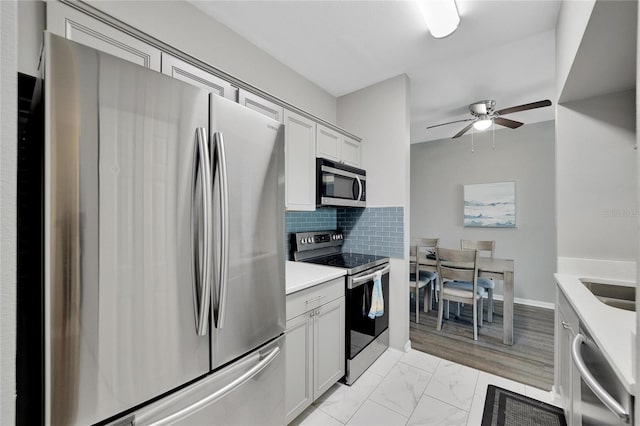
column 512, row 124
column 450, row 122
column 463, row 131
column 525, row 107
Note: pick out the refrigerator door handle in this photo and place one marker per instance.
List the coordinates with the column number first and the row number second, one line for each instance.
column 221, row 393
column 221, row 161
column 202, row 265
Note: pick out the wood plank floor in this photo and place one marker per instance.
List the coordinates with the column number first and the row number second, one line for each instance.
column 529, row 360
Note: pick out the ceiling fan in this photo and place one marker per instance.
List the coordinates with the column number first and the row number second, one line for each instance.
column 484, row 115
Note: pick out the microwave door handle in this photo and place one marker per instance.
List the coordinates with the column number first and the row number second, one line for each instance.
column 613, row 405
column 359, row 188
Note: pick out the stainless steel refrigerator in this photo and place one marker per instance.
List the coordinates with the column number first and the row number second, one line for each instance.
column 164, row 252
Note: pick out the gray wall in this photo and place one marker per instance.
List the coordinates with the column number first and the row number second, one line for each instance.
column 572, row 23
column 380, row 115
column 31, row 23
column 8, row 155
column 439, row 169
column 596, row 178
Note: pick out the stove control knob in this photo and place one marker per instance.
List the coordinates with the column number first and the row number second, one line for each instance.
column 303, row 240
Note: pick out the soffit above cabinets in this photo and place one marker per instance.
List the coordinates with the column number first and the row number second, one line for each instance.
column 606, row 59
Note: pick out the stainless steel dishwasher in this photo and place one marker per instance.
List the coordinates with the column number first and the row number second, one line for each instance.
column 602, row 399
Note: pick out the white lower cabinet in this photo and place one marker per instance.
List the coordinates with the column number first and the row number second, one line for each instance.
column 315, row 353
column 567, row 378
column 299, row 365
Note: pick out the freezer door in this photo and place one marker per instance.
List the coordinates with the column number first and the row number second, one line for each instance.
column 248, row 295
column 251, row 391
column 119, row 287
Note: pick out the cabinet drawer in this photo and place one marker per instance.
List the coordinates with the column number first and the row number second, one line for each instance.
column 305, row 300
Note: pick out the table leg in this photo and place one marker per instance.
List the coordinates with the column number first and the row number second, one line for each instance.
column 508, row 308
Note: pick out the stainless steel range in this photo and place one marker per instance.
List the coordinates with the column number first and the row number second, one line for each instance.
column 366, row 338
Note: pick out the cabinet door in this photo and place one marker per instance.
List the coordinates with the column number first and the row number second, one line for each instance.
column 351, row 152
column 261, row 105
column 181, row 70
column 299, row 365
column 74, row 25
column 568, row 378
column 564, row 363
column 300, row 162
column 328, row 143
column 328, row 345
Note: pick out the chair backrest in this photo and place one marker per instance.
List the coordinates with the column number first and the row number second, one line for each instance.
column 419, row 249
column 481, row 246
column 423, row 246
column 458, row 265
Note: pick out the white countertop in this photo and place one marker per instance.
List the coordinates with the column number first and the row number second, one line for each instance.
column 301, row 275
column 611, row 328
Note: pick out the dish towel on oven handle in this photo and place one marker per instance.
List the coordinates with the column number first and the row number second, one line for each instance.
column 377, row 300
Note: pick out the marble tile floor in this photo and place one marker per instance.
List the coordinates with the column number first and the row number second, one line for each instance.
column 411, row 388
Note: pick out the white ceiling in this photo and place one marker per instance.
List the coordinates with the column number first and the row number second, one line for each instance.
column 502, row 50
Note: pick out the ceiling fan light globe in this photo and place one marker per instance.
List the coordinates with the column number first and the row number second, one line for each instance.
column 441, row 16
column 482, row 124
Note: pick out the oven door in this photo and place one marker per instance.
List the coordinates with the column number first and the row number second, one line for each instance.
column 362, row 330
column 340, row 185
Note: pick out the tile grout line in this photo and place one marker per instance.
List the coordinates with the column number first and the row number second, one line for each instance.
column 432, row 373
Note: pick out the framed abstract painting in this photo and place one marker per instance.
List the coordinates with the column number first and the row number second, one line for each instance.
column 490, row 205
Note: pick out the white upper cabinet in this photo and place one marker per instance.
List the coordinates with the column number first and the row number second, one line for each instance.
column 328, row 143
column 74, row 25
column 261, row 105
column 181, row 70
column 300, row 161
column 351, row 152
column 335, row 146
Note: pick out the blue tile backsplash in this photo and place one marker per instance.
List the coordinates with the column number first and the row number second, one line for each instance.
column 375, row 230
column 319, row 220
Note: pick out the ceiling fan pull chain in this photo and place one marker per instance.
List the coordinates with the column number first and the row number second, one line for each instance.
column 472, row 133
column 493, row 133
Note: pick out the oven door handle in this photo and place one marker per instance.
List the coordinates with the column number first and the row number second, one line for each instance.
column 355, row 282
column 604, row 396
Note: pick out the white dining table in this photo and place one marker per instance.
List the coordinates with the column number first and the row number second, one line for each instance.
column 488, row 267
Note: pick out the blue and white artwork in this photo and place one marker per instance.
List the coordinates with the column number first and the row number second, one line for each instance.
column 490, row 205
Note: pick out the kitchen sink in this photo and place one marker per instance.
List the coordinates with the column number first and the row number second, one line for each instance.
column 618, row 296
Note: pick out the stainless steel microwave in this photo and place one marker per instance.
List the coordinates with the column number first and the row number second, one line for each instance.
column 340, row 185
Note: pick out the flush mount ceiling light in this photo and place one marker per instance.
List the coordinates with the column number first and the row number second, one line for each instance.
column 441, row 16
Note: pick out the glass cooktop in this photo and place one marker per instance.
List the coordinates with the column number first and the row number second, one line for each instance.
column 354, row 262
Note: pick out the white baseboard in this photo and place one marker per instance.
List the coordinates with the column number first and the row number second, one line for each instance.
column 528, row 302
column 407, row 346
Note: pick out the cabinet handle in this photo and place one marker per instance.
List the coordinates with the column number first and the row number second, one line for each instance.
column 313, row 300
column 317, row 312
column 567, row 326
